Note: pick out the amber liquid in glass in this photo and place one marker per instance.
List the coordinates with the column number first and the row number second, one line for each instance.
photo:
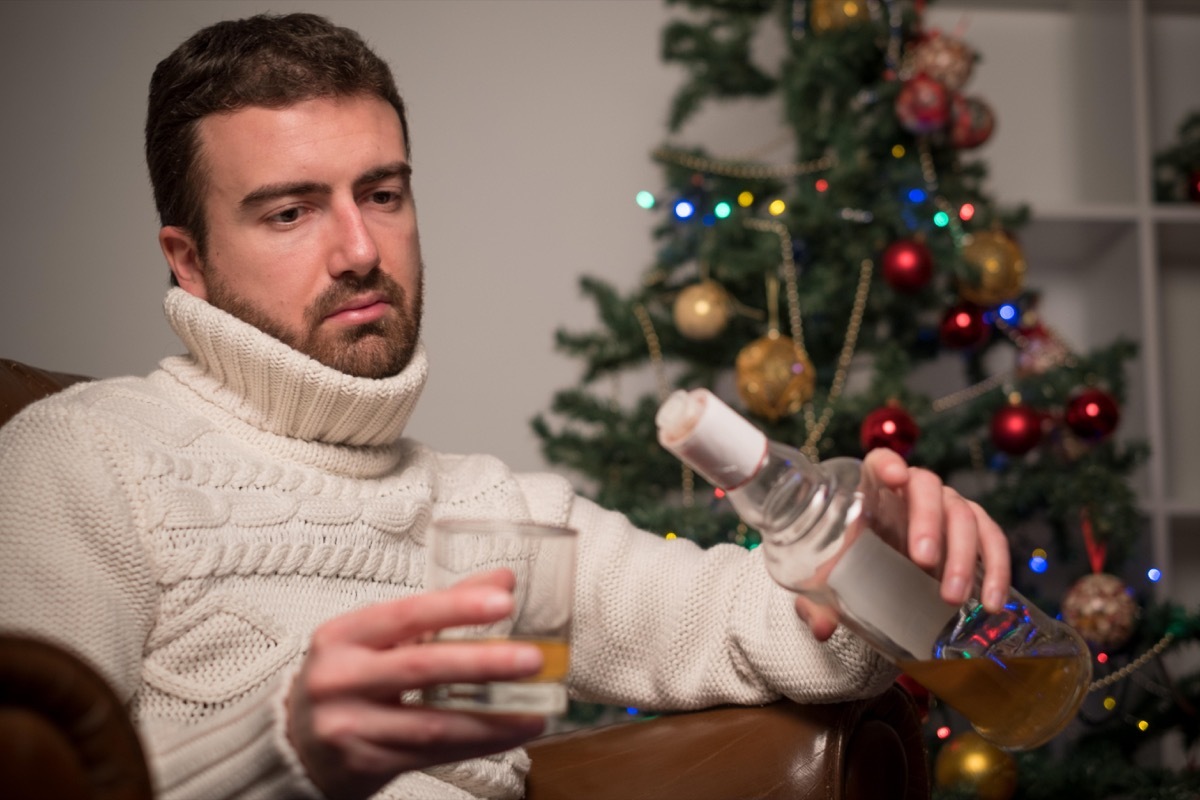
column 1016, row 704
column 556, row 655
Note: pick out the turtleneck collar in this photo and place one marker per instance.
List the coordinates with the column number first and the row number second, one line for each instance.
column 267, row 384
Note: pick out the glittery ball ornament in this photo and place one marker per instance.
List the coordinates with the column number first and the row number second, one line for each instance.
column 891, row 427
column 996, row 268
column 702, row 310
column 1101, row 607
column 1016, row 429
column 907, row 265
column 923, row 105
column 968, row 761
column 963, row 326
column 1092, row 414
column 945, row 59
column 775, row 378
column 832, row 15
column 971, row 122
column 1041, row 351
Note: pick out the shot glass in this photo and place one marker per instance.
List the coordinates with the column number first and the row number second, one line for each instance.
column 542, row 558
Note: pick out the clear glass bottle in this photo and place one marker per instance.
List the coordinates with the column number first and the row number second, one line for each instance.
column 1017, row 675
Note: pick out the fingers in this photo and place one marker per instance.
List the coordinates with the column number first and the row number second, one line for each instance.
column 997, row 562
column 387, row 673
column 821, row 620
column 354, row 747
column 887, row 466
column 962, row 551
column 926, row 518
column 477, row 600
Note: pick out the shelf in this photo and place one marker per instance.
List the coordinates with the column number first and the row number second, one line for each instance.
column 1183, row 512
column 1177, row 212
column 1076, row 239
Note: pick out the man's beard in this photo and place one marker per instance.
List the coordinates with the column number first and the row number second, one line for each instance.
column 378, row 349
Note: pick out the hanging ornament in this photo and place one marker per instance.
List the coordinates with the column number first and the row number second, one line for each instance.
column 963, row 326
column 996, row 268
column 832, row 15
column 1092, row 414
column 1041, row 349
column 775, row 378
column 891, row 427
column 923, row 105
column 920, row 695
column 1016, row 428
column 971, row 122
column 1101, row 607
column 702, row 310
column 944, row 58
column 774, row 375
column 907, row 265
column 1193, row 185
column 968, row 761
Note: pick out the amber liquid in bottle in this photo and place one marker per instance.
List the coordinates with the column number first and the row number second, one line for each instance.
column 1016, row 703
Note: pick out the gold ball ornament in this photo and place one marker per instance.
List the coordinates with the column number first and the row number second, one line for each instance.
column 831, row 15
column 775, row 378
column 1101, row 607
column 997, row 267
column 970, row 761
column 702, row 310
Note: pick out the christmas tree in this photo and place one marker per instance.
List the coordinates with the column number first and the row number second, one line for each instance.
column 809, row 290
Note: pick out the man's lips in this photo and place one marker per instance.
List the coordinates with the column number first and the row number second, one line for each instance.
column 360, row 310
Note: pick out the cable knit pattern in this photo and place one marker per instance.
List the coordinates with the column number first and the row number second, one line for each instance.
column 186, row 533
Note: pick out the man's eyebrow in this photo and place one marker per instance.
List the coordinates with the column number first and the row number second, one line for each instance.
column 397, row 169
column 274, row 191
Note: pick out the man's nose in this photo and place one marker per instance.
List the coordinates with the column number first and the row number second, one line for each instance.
column 354, row 249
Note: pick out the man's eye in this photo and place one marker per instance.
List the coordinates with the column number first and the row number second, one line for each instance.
column 286, row 216
column 385, row 197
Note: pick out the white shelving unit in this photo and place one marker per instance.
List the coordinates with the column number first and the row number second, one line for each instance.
column 1086, row 93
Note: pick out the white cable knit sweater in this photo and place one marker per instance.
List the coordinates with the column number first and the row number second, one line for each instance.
column 187, row 531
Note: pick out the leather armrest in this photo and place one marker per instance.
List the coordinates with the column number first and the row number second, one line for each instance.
column 65, row 734
column 869, row 749
column 21, row 384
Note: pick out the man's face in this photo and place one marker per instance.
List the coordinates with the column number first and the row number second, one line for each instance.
column 312, row 230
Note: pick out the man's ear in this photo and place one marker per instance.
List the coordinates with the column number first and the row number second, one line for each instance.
column 184, row 259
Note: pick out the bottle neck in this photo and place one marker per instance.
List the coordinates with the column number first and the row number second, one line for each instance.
column 785, row 492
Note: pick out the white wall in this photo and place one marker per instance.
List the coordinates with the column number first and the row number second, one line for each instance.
column 532, row 123
column 531, row 127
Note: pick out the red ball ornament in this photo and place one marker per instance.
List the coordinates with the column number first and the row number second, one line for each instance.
column 923, row 105
column 1092, row 414
column 907, row 265
column 891, row 427
column 944, row 58
column 971, row 122
column 963, row 326
column 1016, row 429
column 1193, row 185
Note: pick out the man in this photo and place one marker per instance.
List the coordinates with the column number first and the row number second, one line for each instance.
column 236, row 540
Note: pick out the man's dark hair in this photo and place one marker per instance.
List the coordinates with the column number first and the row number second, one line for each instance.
column 268, row 60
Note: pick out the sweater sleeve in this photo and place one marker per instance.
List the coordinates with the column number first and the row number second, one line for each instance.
column 666, row 625
column 75, row 571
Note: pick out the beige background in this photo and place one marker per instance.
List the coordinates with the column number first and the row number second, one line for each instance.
column 532, row 123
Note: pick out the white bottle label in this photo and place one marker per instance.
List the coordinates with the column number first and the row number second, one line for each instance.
column 882, row 588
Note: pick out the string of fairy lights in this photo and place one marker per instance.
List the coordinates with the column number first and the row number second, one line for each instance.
column 1005, row 317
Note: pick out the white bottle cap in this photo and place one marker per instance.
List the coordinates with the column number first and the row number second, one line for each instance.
column 711, row 438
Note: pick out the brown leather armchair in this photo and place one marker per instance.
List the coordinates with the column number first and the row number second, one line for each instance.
column 64, row 734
